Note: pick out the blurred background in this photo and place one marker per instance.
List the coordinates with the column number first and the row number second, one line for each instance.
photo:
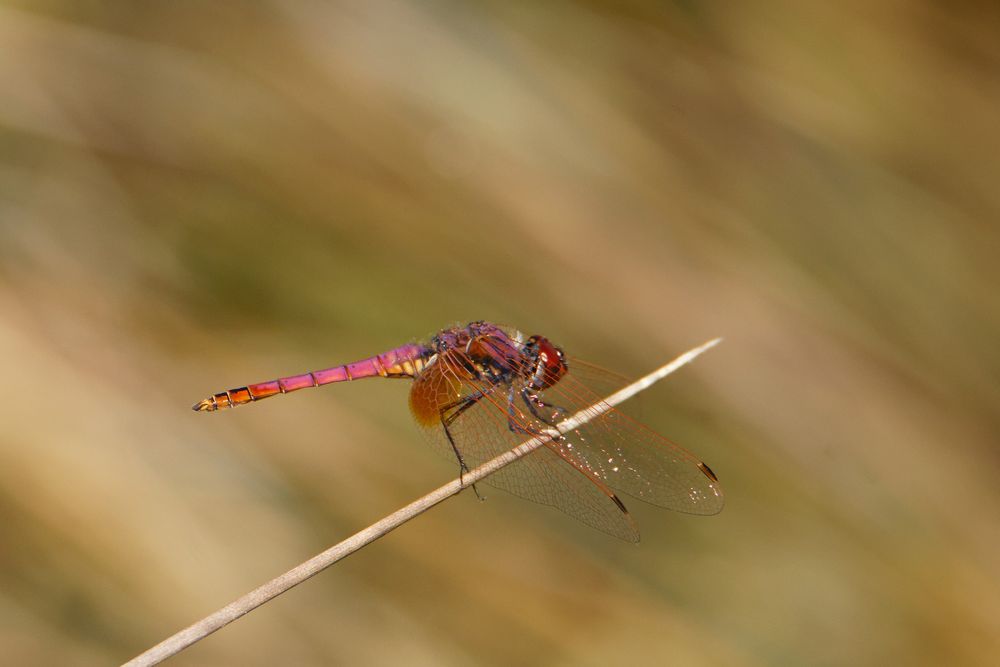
column 195, row 196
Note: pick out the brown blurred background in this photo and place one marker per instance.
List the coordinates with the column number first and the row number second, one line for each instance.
column 194, row 196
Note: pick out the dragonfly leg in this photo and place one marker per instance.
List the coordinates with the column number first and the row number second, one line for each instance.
column 512, row 417
column 530, row 400
column 459, row 407
column 533, row 401
column 447, row 421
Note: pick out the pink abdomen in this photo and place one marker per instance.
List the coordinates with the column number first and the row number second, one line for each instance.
column 401, row 362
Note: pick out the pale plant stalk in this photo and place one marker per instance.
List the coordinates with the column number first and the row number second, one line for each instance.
column 255, row 598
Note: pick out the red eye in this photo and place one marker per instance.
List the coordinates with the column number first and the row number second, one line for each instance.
column 551, row 358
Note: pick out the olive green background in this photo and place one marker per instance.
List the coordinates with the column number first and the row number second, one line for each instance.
column 194, row 196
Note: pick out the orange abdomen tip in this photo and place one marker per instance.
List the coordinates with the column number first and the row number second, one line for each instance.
column 207, row 405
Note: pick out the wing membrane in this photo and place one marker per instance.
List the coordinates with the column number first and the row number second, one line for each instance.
column 489, row 415
column 494, row 424
column 632, row 458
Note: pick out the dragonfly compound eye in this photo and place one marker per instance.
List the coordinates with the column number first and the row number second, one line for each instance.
column 551, row 366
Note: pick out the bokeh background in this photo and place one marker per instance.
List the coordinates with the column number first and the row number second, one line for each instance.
column 194, row 196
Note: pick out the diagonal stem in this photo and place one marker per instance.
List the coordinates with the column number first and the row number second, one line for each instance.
column 255, row 598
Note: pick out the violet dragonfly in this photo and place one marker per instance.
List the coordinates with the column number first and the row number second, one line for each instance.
column 482, row 389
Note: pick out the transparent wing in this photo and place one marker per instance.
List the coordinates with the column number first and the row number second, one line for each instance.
column 626, row 455
column 492, row 420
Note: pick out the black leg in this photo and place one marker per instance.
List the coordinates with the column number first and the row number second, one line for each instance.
column 459, row 407
column 512, row 417
column 530, row 402
column 534, row 402
column 447, row 421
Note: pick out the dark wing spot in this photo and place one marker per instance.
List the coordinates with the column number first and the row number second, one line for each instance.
column 620, row 504
column 708, row 471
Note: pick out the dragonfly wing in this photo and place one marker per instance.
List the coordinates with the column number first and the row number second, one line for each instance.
column 492, row 422
column 545, row 477
column 630, row 457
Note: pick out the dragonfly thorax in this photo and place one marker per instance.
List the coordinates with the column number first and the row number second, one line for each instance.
column 480, row 350
column 492, row 354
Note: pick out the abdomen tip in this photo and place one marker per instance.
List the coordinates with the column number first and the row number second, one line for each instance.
column 203, row 406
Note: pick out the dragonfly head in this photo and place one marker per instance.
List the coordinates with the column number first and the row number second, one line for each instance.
column 550, row 363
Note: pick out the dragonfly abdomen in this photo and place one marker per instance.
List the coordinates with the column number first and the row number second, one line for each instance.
column 402, row 362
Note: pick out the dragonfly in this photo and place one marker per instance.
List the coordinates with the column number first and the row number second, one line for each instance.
column 481, row 389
